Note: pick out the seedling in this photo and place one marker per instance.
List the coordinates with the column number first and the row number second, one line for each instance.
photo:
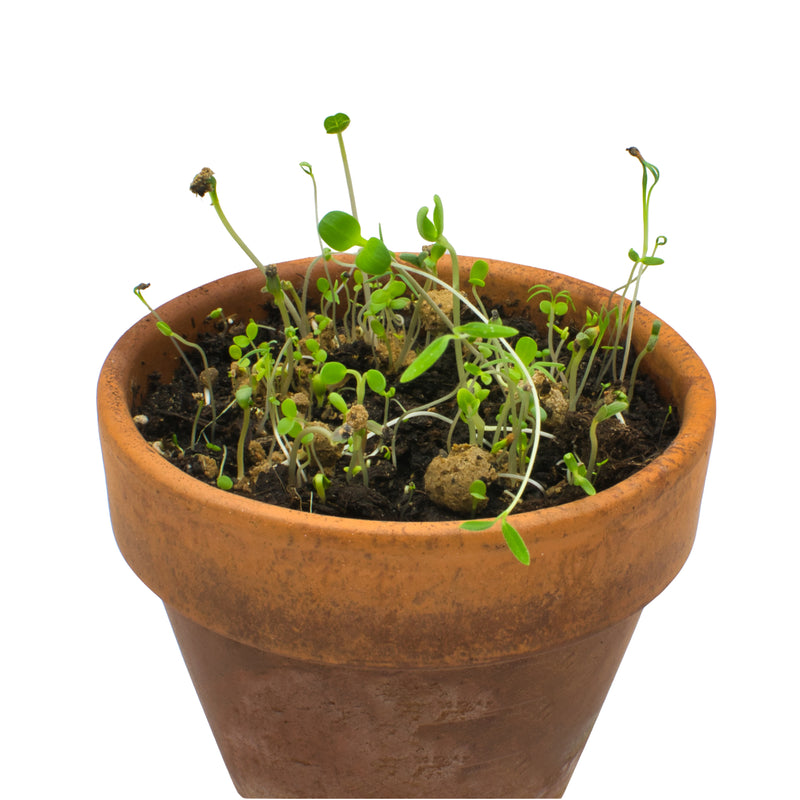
column 612, row 409
column 577, row 474
column 477, row 491
column 294, row 393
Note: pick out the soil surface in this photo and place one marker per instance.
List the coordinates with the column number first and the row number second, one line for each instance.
column 165, row 414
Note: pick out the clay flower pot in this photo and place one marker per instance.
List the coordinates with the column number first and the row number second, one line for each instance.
column 341, row 657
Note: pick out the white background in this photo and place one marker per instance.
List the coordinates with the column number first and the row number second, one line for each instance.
column 518, row 114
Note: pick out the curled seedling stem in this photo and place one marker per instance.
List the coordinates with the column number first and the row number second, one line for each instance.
column 205, row 182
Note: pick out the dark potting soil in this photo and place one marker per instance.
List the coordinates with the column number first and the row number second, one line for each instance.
column 395, row 491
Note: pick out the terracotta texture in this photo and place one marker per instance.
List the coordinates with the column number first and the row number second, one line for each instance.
column 408, row 601
column 289, row 728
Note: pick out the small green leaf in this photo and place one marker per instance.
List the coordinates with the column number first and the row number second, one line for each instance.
column 251, row 331
column 478, row 273
column 477, row 489
column 651, row 261
column 341, row 230
column 427, row 230
column 332, row 373
column 374, row 258
column 288, row 426
column 515, row 543
column 477, row 524
column 235, row 352
column 486, row 330
column 243, row 396
column 438, row 214
column 411, row 258
column 467, row 402
column 377, row 328
column 527, row 349
column 426, row 359
column 224, row 483
column 289, row 408
column 633, row 255
column 338, row 402
column 164, row 328
column 336, row 123
column 376, row 381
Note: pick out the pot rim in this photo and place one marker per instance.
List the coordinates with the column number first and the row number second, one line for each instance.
column 287, row 581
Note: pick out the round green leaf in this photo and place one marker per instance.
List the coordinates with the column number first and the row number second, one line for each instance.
column 527, row 349
column 336, row 123
column 341, row 230
column 374, row 258
column 332, row 373
column 478, row 273
column 243, row 396
column 375, row 381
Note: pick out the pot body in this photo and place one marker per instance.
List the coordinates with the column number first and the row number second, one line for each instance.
column 416, row 660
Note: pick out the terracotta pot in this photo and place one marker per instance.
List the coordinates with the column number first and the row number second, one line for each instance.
column 340, row 657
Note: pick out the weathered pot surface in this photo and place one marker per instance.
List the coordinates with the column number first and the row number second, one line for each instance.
column 291, row 590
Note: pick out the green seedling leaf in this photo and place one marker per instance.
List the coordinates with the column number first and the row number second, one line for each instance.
column 427, row 230
column 374, row 258
column 243, row 396
column 578, row 473
column 377, row 328
column 486, row 330
column 633, row 255
column 477, row 524
column 338, row 402
column 653, row 339
column 477, row 489
column 164, row 328
column 376, row 381
column 332, row 373
column 527, row 349
column 289, row 408
column 467, row 402
column 411, row 258
column 224, row 483
column 289, row 426
column 478, row 273
column 438, row 214
column 251, row 331
column 341, row 231
column 651, row 261
column 336, row 123
column 515, row 543
column 426, row 359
